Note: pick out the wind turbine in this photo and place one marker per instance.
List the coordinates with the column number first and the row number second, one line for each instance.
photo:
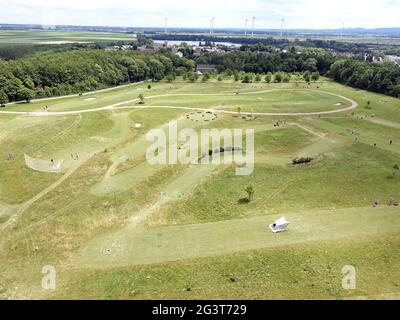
column 245, row 27
column 212, row 25
column 282, row 25
column 166, row 24
column 252, row 27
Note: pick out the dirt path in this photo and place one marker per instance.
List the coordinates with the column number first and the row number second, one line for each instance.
column 18, row 210
column 77, row 95
column 137, row 246
column 120, row 106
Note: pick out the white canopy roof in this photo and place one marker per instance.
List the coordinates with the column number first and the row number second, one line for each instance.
column 280, row 225
column 281, row 222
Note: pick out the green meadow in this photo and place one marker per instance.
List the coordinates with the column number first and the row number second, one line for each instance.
column 116, row 227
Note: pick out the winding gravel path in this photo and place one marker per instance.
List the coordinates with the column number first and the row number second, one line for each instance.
column 119, row 106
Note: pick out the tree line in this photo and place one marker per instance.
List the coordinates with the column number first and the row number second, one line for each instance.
column 377, row 77
column 52, row 73
column 260, row 59
column 61, row 73
column 263, row 59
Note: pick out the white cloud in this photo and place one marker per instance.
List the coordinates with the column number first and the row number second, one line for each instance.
column 189, row 13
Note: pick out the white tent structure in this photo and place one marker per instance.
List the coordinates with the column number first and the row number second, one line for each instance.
column 280, row 225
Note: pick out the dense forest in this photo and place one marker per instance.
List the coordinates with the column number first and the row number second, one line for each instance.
column 382, row 78
column 17, row 51
column 61, row 73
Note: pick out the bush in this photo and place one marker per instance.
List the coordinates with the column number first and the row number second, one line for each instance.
column 302, row 160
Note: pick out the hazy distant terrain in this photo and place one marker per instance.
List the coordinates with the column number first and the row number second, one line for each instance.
column 48, row 34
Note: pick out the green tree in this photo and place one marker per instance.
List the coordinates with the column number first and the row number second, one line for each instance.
column 248, row 78
column 141, row 99
column 268, row 77
column 192, row 76
column 311, row 64
column 3, row 98
column 25, row 94
column 170, row 78
column 29, row 83
column 315, row 76
column 278, row 77
column 250, row 193
column 206, row 76
column 287, row 77
column 396, row 90
column 157, row 69
column 307, row 76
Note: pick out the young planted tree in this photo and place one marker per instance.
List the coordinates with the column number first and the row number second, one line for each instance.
column 287, row 78
column 192, row 77
column 315, row 76
column 268, row 77
column 278, row 77
column 250, row 193
column 248, row 78
column 307, row 76
column 206, row 76
column 170, row 78
column 141, row 99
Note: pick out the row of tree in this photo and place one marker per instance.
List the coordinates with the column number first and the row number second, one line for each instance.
column 52, row 74
column 378, row 77
column 260, row 59
column 249, row 77
column 272, row 60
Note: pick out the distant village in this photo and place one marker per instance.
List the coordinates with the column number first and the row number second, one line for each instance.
column 204, row 47
column 199, row 50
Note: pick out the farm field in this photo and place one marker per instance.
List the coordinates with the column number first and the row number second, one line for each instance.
column 116, row 227
column 59, row 37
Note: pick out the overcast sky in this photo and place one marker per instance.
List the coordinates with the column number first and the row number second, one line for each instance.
column 188, row 13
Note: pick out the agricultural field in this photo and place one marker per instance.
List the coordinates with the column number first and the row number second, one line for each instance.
column 115, row 226
column 59, row 37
